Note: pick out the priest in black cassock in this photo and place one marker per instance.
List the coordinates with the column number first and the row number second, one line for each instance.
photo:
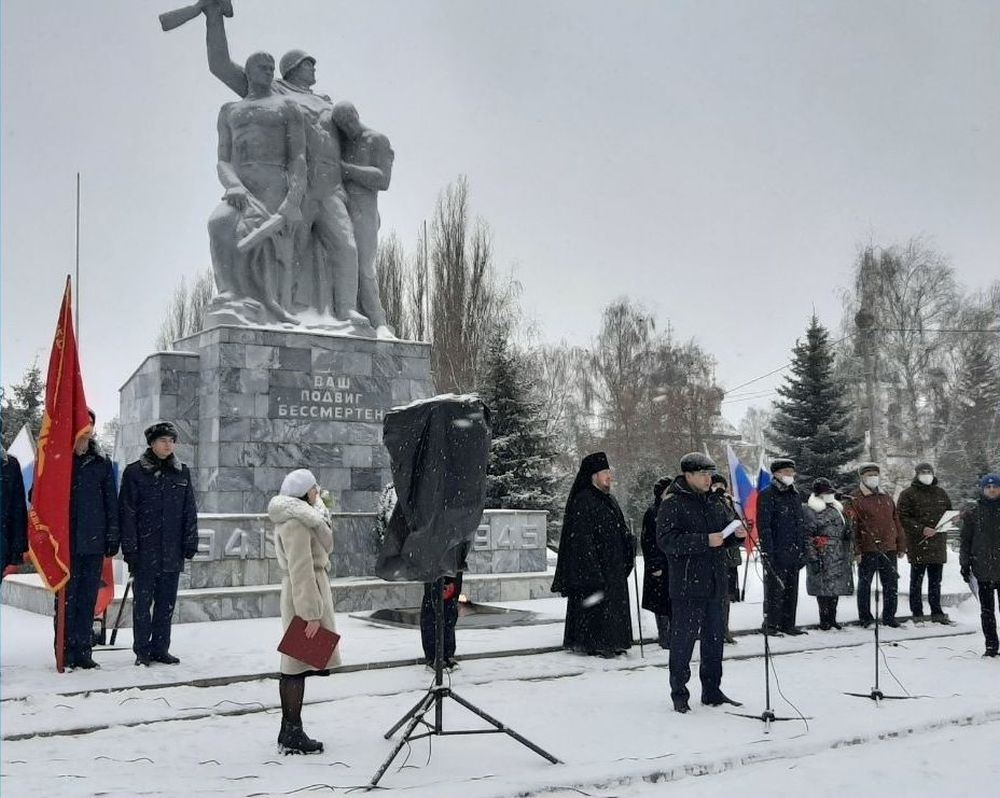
column 596, row 555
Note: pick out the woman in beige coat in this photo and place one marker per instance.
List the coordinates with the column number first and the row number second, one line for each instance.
column 303, row 541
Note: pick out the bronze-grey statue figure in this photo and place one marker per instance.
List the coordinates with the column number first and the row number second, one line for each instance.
column 326, row 255
column 262, row 167
column 367, row 169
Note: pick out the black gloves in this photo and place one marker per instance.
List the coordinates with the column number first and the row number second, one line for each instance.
column 966, row 572
column 131, row 558
column 110, row 549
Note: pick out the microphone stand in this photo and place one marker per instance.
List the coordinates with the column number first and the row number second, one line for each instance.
column 767, row 717
column 876, row 694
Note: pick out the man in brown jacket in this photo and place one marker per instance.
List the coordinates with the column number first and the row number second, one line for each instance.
column 879, row 539
column 920, row 509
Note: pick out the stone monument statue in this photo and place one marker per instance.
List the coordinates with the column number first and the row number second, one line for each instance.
column 367, row 168
column 262, row 166
column 319, row 285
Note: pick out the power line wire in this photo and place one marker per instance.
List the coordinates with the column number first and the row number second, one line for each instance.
column 961, row 330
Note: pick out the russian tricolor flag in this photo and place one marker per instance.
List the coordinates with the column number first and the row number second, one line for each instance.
column 745, row 490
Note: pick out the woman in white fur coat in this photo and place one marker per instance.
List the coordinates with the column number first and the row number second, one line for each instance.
column 303, row 540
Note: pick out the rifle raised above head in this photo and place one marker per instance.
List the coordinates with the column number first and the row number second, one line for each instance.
column 174, row 19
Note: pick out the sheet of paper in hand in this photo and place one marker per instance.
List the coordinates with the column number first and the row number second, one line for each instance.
column 732, row 527
column 947, row 522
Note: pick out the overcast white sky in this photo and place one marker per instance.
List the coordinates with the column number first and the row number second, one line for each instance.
column 718, row 161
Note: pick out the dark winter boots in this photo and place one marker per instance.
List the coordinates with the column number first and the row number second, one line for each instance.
column 719, row 699
column 293, row 740
column 827, row 612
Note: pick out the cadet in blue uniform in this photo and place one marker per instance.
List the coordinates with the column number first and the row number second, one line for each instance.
column 159, row 529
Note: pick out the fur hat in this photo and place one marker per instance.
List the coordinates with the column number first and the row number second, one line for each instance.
column 161, row 429
column 694, row 462
column 593, row 463
column 779, row 463
column 298, row 483
column 923, row 467
column 661, row 485
column 823, row 485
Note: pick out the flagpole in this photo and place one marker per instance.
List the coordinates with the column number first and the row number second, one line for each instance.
column 77, row 280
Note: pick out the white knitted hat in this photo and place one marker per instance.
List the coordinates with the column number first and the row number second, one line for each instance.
column 298, row 483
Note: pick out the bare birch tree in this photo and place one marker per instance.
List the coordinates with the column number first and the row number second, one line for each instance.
column 186, row 314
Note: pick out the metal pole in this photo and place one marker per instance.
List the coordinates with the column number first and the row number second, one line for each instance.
column 638, row 604
column 427, row 289
column 865, row 322
column 439, row 624
column 77, row 259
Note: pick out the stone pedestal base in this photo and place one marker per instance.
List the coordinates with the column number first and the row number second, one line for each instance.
column 251, row 404
column 263, row 601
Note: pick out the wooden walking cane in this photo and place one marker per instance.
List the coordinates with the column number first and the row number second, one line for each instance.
column 121, row 609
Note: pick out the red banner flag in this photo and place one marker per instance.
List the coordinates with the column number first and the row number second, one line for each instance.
column 106, row 593
column 66, row 420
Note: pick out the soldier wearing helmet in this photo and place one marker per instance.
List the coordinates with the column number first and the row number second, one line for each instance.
column 327, row 285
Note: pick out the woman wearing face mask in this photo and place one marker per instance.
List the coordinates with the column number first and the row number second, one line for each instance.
column 829, row 548
column 879, row 540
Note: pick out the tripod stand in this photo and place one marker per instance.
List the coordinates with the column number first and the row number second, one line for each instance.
column 434, row 699
column 767, row 716
column 876, row 693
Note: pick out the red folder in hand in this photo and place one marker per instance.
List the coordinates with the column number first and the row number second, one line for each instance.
column 315, row 651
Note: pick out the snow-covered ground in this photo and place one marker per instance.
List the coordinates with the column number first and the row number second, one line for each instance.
column 608, row 721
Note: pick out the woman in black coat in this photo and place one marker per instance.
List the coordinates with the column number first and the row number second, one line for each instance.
column 14, row 512
column 655, row 587
column 596, row 555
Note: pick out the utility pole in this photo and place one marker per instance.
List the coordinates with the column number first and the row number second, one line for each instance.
column 865, row 322
column 427, row 290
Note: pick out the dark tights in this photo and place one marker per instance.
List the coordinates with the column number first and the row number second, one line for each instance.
column 291, row 689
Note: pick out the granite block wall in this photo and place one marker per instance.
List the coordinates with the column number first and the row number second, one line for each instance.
column 252, row 404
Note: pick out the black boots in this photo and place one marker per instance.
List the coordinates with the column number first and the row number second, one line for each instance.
column 293, row 740
column 718, row 700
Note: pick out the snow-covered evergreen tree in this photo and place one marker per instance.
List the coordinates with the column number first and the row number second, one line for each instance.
column 812, row 420
column 521, row 474
column 973, row 446
column 24, row 403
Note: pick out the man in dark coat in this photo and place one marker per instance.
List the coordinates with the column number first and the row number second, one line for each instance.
column 980, row 555
column 93, row 535
column 689, row 530
column 879, row 540
column 596, row 555
column 782, row 531
column 13, row 511
column 655, row 589
column 920, row 509
column 159, row 530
